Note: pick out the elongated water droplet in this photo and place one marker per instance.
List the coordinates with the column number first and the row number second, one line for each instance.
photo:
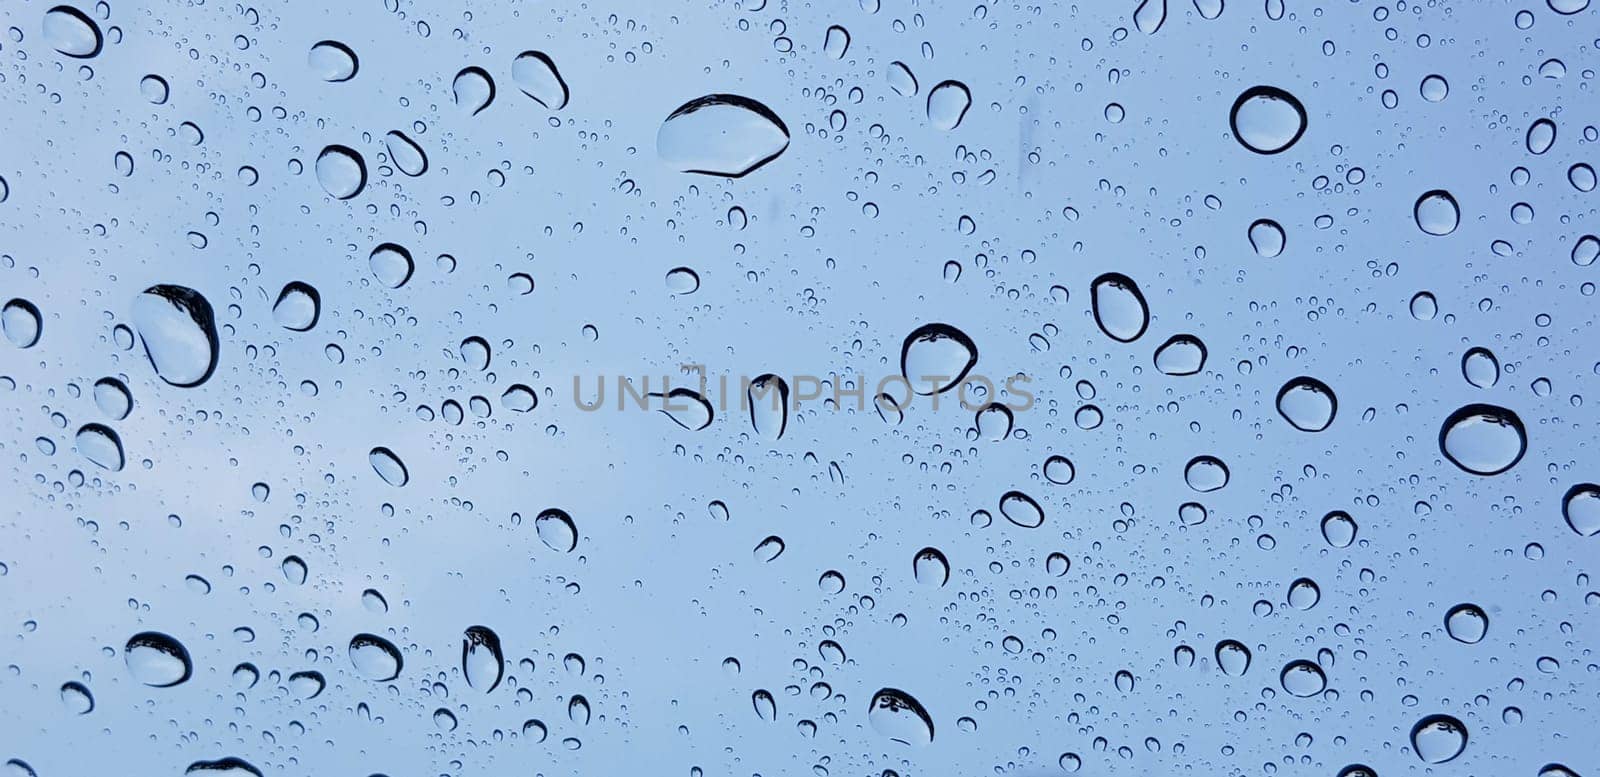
column 333, row 61
column 294, row 570
column 388, row 466
column 223, row 767
column 769, row 549
column 375, row 657
column 1466, row 623
column 1480, row 367
column 1119, row 307
column 1541, row 136
column 721, row 134
column 1267, row 238
column 482, row 661
column 71, row 32
column 1483, row 439
column 1181, row 355
column 1586, row 250
column 936, row 357
column 473, row 89
column 1020, row 509
column 766, row 706
column 21, row 322
column 901, row 80
column 100, row 445
column 1302, row 678
column 686, row 408
column 298, row 307
column 76, row 698
column 1233, row 658
column 179, row 334
column 556, row 530
column 407, row 156
column 536, row 75
column 896, row 715
column 578, row 710
column 948, row 103
column 391, row 265
column 157, row 660
column 1436, row 212
column 1150, row 15
column 768, row 397
column 1438, row 738
column 836, row 41
column 930, row 567
column 1581, row 507
column 1307, row 404
column 1267, row 120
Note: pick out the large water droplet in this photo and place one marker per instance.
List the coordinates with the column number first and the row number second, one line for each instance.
column 1438, row 738
column 1424, row 306
column 1466, row 623
column 1339, row 529
column 936, row 357
column 333, row 61
column 482, row 661
column 768, row 397
column 391, row 264
column 1119, row 307
column 113, row 398
column 407, row 156
column 99, row 444
column 1205, row 474
column 1436, row 212
column 71, row 32
column 388, row 466
column 896, row 715
column 473, row 89
column 836, row 41
column 1567, row 6
column 1480, row 367
column 1302, row 678
column 1059, row 470
column 157, row 660
column 1304, row 594
column 683, row 280
column 1181, row 355
column 1267, row 120
column 948, row 103
column 721, row 134
column 1483, row 439
column 154, row 89
column 298, row 307
column 901, row 80
column 1020, row 509
column 556, row 530
column 179, row 333
column 1586, row 250
column 1233, row 658
column 76, row 698
column 1267, row 238
column 307, row 685
column 223, row 767
column 375, row 657
column 21, row 322
column 1541, row 136
column 341, row 171
column 1150, row 15
column 536, row 75
column 1581, row 507
column 930, row 567
column 1307, row 404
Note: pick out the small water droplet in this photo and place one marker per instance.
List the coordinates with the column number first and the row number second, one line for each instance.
column 1267, row 238
column 1436, row 212
column 482, row 661
column 223, row 767
column 948, row 103
column 1339, row 529
column 1205, row 474
column 1020, row 509
column 768, row 397
column 1302, row 678
column 1233, row 658
column 930, row 567
column 391, row 265
column 1438, row 738
column 1581, row 508
column 1466, row 623
column 298, row 307
column 1541, row 136
column 21, row 322
column 1059, row 470
column 1480, row 367
column 1267, row 120
column 556, row 530
column 113, row 398
column 407, row 156
column 388, row 466
column 341, row 171
column 76, row 698
column 836, row 41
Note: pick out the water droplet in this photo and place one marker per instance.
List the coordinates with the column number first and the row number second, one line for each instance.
column 157, row 660
column 1483, row 439
column 482, row 661
column 475, row 352
column 1567, row 6
column 1582, row 177
column 1233, row 658
column 1267, row 120
column 113, row 398
column 831, row 582
column 535, row 730
column 768, row 397
column 374, row 601
column 936, row 357
column 375, row 658
column 1150, row 15
column 556, row 530
column 1436, row 212
column 721, row 134
column 1541, row 136
column 682, row 280
column 901, row 80
column 1480, row 367
column 1466, row 623
column 298, row 307
column 1339, row 529
column 1434, row 88
column 1059, row 470
column 179, row 334
column 1581, row 507
column 391, row 265
column 519, row 398
column 16, row 767
column 836, row 41
column 333, row 61
column 1357, row 770
column 1267, row 238
column 686, row 408
column 994, row 422
column 1119, row 307
column 766, row 706
column 1020, row 509
column 1304, row 594
column 100, row 445
column 1302, row 678
column 1205, row 474
column 1586, row 250
column 948, row 103
column 769, row 549
column 473, row 89
column 307, row 685
column 388, row 466
column 407, row 156
column 1438, row 738
column 896, row 715
column 341, row 171
column 76, row 698
column 1423, row 306
column 154, row 89
column 71, row 32
column 445, row 720
column 21, row 322
column 1307, row 404
column 536, row 75
column 930, row 567
column 223, row 767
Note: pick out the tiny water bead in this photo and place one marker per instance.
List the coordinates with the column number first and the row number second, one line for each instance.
column 1436, row 212
column 1307, row 404
column 1483, row 439
column 1267, row 120
column 1438, row 738
column 724, row 135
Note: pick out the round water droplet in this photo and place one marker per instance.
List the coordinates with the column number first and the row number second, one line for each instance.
column 375, row 657
column 76, row 698
column 179, row 334
column 333, row 61
column 154, row 89
column 1339, row 529
column 1267, row 120
column 1020, row 509
column 21, row 322
column 1424, row 306
column 836, row 41
column 388, row 466
column 768, row 398
column 1434, row 88
column 556, row 530
column 930, row 567
column 1436, row 212
column 1480, row 367
column 294, row 570
column 1541, row 136
column 482, row 661
column 1304, row 594
column 1233, row 658
column 391, row 265
column 1307, row 404
column 896, row 715
column 100, row 445
column 475, row 352
column 948, row 103
column 71, row 32
column 1267, row 238
column 1438, row 738
column 1582, row 177
column 536, row 75
column 1119, row 307
column 994, row 422
column 1302, row 678
column 1483, row 439
column 298, row 307
column 831, row 583
column 1181, row 355
column 682, row 280
column 1581, row 507
column 769, row 549
column 307, row 685
column 223, row 767
column 407, row 156
column 341, row 171
column 936, row 357
column 473, row 89
column 1059, row 470
column 157, row 660
column 721, row 134
column 519, row 398
column 1205, row 474
column 113, row 398
column 1466, row 623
